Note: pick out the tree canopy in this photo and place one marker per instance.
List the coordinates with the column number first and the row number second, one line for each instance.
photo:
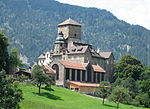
column 128, row 66
column 28, row 22
column 39, row 76
column 104, row 90
column 4, row 55
column 8, row 60
column 10, row 95
column 120, row 95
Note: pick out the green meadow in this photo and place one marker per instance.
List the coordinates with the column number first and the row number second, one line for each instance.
column 62, row 98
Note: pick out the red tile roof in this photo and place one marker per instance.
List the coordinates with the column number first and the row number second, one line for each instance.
column 73, row 65
column 84, row 84
column 50, row 70
column 97, row 68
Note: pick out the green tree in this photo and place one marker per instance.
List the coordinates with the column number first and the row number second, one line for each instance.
column 132, row 85
column 104, row 90
column 144, row 83
column 14, row 60
column 120, row 95
column 10, row 95
column 8, row 60
column 3, row 52
column 143, row 99
column 146, row 74
column 39, row 76
column 128, row 66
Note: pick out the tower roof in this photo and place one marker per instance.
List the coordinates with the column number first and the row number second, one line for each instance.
column 69, row 22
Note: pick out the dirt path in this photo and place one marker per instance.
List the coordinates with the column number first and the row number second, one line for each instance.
column 94, row 97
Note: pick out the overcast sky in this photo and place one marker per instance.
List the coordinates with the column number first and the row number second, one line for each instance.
column 131, row 11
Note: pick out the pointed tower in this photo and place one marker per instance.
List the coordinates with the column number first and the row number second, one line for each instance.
column 71, row 30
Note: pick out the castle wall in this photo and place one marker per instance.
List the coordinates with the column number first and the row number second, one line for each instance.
column 71, row 32
column 78, row 58
column 87, row 56
column 109, row 67
column 60, row 81
column 75, row 31
column 64, row 30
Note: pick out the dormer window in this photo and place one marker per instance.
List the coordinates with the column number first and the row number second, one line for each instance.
column 74, row 50
column 80, row 49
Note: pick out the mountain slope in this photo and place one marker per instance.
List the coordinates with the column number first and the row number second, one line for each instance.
column 32, row 27
column 62, row 98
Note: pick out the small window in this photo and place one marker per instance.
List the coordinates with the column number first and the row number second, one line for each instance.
column 76, row 89
column 75, row 35
column 107, row 62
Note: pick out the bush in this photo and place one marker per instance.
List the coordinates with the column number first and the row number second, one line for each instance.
column 143, row 100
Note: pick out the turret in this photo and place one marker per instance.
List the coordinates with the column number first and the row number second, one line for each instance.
column 60, row 43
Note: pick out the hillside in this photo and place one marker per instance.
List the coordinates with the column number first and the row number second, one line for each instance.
column 61, row 98
column 32, row 26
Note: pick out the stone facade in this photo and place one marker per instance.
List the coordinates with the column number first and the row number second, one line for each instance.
column 76, row 61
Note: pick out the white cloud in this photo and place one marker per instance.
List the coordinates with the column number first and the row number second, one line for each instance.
column 132, row 11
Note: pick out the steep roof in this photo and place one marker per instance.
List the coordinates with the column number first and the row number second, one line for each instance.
column 105, row 54
column 49, row 70
column 79, row 66
column 42, row 56
column 97, row 68
column 69, row 22
column 84, row 84
column 73, row 65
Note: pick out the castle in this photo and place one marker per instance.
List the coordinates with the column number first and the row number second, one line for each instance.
column 76, row 62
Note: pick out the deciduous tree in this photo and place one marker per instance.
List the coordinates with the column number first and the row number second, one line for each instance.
column 120, row 95
column 104, row 90
column 143, row 99
column 128, row 66
column 39, row 76
column 4, row 56
column 10, row 95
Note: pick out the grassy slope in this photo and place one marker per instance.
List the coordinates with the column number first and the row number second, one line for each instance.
column 61, row 98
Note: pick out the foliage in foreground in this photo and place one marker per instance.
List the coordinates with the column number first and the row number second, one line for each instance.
column 4, row 56
column 8, row 60
column 10, row 95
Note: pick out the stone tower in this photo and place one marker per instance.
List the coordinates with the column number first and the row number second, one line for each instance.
column 71, row 30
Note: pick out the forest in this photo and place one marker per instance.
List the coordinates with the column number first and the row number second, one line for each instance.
column 31, row 26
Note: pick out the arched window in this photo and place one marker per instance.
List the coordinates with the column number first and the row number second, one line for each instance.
column 56, row 68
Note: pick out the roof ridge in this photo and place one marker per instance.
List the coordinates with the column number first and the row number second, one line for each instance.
column 69, row 22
